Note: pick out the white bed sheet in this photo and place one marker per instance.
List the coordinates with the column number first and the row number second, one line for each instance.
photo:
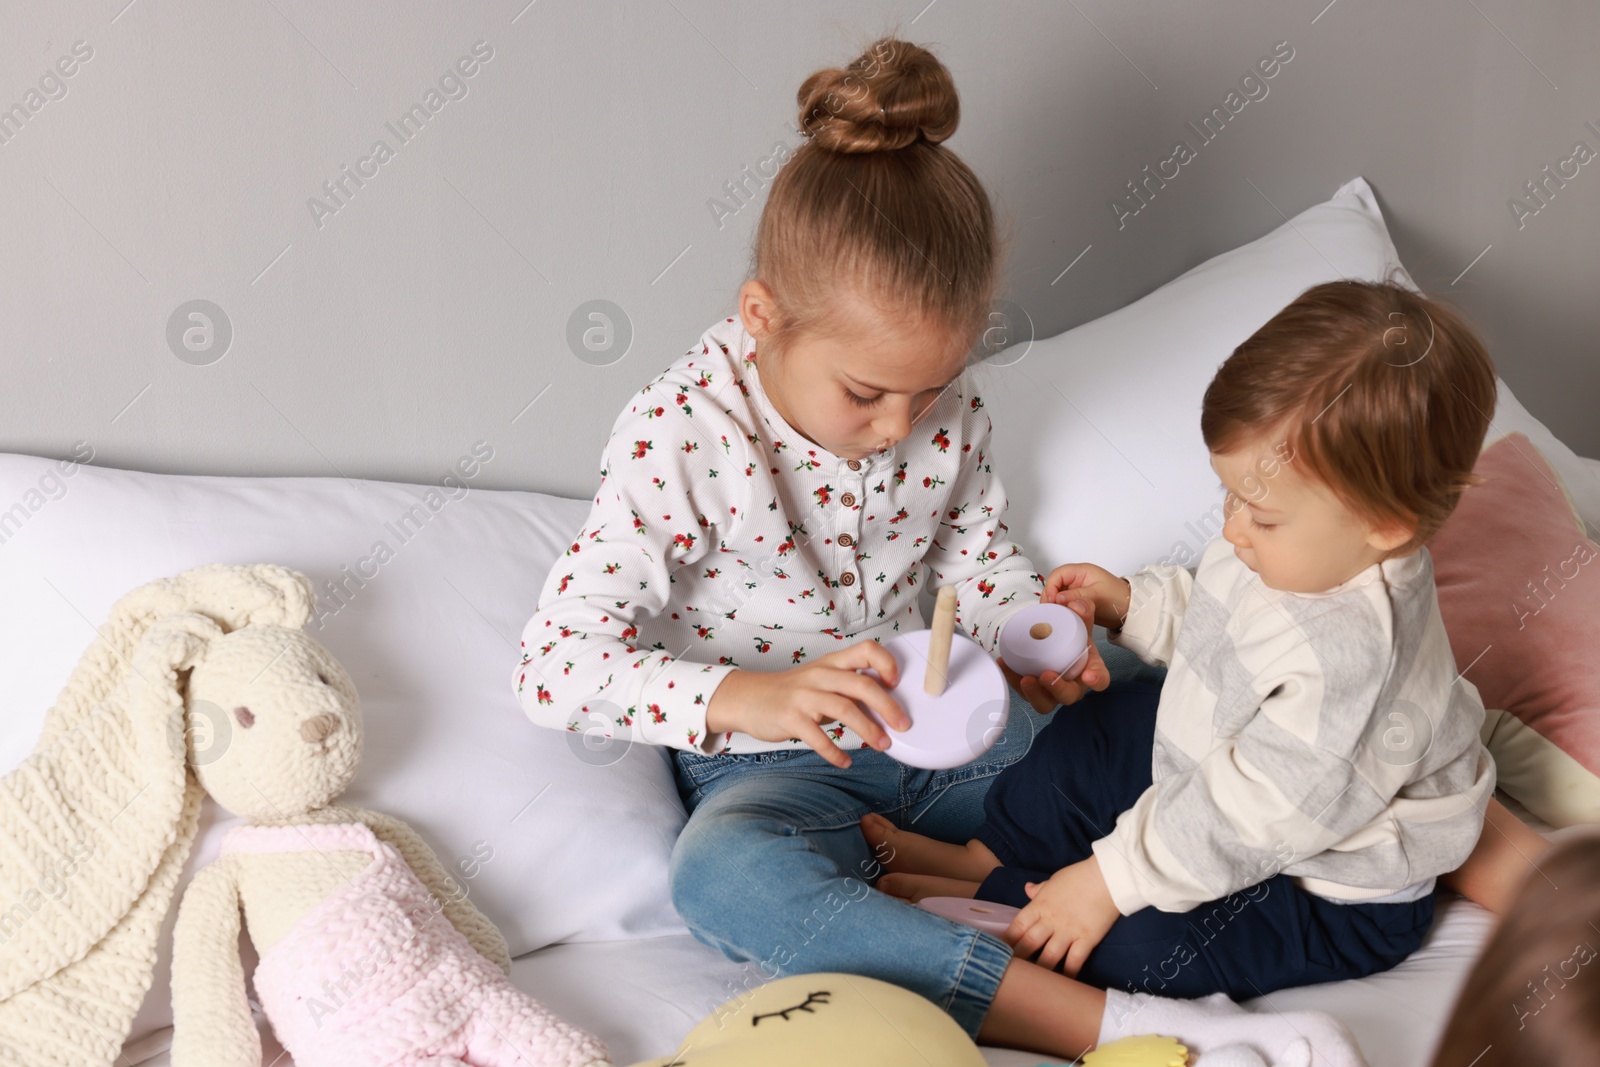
column 642, row 996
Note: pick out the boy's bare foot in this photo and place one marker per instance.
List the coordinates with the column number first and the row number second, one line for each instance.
column 906, row 852
column 913, row 887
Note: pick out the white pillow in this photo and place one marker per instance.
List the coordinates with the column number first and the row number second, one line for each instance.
column 1097, row 430
column 552, row 847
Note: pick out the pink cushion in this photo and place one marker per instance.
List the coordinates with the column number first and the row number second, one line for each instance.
column 1519, row 589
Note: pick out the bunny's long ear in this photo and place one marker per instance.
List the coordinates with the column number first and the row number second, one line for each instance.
column 122, row 814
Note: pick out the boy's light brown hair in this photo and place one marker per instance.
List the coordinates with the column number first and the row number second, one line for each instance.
column 1383, row 395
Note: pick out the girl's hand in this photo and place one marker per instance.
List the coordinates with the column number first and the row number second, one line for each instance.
column 1110, row 595
column 1049, row 689
column 1066, row 918
column 779, row 705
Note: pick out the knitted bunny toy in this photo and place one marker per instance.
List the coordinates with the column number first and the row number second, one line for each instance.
column 370, row 953
column 95, row 825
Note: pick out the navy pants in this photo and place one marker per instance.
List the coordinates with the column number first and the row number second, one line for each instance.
column 1090, row 764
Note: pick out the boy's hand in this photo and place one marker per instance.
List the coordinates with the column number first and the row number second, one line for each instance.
column 1046, row 691
column 1069, row 914
column 1110, row 595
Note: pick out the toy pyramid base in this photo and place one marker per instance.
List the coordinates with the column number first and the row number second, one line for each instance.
column 960, row 724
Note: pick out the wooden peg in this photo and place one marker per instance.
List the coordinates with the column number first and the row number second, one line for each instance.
column 943, row 631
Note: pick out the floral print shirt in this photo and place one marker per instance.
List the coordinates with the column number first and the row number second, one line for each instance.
column 721, row 539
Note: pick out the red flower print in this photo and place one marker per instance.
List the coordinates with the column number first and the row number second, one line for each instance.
column 942, row 441
column 640, row 448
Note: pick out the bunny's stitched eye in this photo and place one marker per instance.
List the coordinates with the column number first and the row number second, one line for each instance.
column 323, row 678
column 246, row 717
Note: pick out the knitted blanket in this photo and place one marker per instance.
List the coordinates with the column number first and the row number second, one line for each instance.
column 95, row 825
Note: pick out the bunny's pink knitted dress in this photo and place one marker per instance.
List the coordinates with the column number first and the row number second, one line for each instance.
column 376, row 975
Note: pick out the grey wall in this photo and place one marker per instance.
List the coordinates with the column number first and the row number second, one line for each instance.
column 384, row 339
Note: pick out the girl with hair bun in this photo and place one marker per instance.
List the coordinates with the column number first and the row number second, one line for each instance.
column 770, row 506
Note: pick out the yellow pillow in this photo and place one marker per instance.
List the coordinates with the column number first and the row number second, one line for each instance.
column 841, row 1020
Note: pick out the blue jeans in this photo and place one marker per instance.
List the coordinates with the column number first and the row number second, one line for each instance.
column 772, row 868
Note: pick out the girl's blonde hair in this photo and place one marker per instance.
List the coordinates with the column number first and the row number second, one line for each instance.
column 873, row 203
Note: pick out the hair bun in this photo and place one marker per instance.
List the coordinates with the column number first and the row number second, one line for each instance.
column 892, row 95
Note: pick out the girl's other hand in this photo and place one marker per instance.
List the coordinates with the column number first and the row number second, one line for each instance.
column 1109, row 595
column 1046, row 691
column 796, row 703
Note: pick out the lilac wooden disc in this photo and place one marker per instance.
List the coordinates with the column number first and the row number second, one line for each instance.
column 960, row 724
column 1065, row 650
column 984, row 914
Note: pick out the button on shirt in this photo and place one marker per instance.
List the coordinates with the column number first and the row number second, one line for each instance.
column 722, row 539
